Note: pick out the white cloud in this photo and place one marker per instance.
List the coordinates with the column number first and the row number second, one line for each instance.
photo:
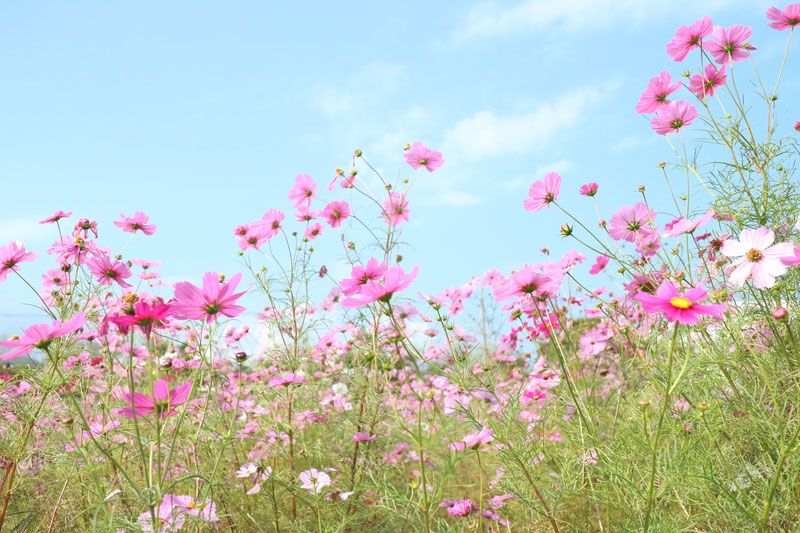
column 26, row 230
column 490, row 19
column 367, row 87
column 487, row 134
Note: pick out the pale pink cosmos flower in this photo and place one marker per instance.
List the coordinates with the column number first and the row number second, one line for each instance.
column 107, row 271
column 757, row 257
column 705, row 86
column 419, row 155
column 285, row 381
column 314, row 481
column 313, row 231
column 205, row 510
column 359, row 276
column 474, row 440
column 40, row 336
column 793, row 260
column 526, row 282
column 55, row 217
column 163, row 402
column 632, row 222
column 672, row 118
column 213, row 299
column 687, row 38
column 543, row 192
column 336, row 212
column 599, row 265
column 655, row 96
column 170, row 519
column 304, row 214
column 730, row 44
column 394, row 280
column 677, row 306
column 364, row 437
column 683, row 225
column 270, row 223
column 786, row 19
column 135, row 223
column 11, row 256
column 304, row 190
column 395, row 209
column 590, row 189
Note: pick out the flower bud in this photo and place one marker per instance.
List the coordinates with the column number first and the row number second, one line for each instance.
column 641, row 188
column 662, row 164
column 67, row 421
column 406, row 146
column 780, row 313
column 357, row 152
column 702, row 406
column 566, row 230
column 241, row 357
column 644, row 403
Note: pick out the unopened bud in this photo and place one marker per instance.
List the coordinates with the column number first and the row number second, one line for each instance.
column 406, row 146
column 323, row 271
column 644, row 403
column 68, row 421
column 358, row 152
column 780, row 313
column 702, row 406
column 662, row 164
column 351, row 245
column 566, row 230
column 240, row 357
column 641, row 188
column 398, row 258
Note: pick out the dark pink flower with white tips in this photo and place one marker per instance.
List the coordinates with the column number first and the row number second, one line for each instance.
column 757, row 257
column 214, row 298
column 304, row 190
column 39, row 336
column 55, row 217
column 677, row 306
column 107, row 271
column 655, row 96
column 336, row 212
column 359, row 276
column 419, row 155
column 11, row 256
column 672, row 118
column 138, row 222
column 394, row 280
column 687, row 38
column 163, row 402
column 705, row 86
column 786, row 19
column 543, row 192
column 730, row 44
column 632, row 222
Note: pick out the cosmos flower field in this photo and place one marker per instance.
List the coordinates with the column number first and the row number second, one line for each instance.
column 657, row 393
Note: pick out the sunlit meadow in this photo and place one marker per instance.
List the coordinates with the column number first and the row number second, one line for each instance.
column 657, row 393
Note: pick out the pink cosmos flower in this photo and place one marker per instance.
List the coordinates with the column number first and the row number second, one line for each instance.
column 526, row 282
column 786, row 19
column 395, row 208
column 687, row 38
column 705, row 86
column 394, row 280
column 314, row 481
column 144, row 317
column 543, row 192
column 359, row 276
column 304, row 190
column 58, row 215
column 270, row 223
column 285, row 381
column 214, row 298
column 170, row 519
column 677, row 306
column 336, row 212
column 683, row 225
column 11, row 256
column 730, row 44
column 461, row 508
column 421, row 156
column 632, row 222
column 364, row 437
column 599, row 264
column 590, row 189
column 474, row 440
column 655, row 96
column 40, row 336
column 84, row 225
column 107, row 271
column 145, row 264
column 757, row 256
column 135, row 223
column 797, row 125
column 163, row 402
column 672, row 118
column 304, row 214
column 201, row 510
column 313, row 231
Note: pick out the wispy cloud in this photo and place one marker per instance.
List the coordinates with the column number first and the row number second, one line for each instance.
column 369, row 86
column 25, row 230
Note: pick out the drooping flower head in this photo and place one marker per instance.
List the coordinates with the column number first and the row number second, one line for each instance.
column 655, row 96
column 542, row 193
column 40, row 336
column 11, row 256
column 138, row 222
column 757, row 257
column 687, row 38
column 786, row 19
column 677, row 306
column 419, row 155
column 672, row 118
column 163, row 402
column 207, row 302
column 55, row 217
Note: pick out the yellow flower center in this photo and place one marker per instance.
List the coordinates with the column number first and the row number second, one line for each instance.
column 680, row 302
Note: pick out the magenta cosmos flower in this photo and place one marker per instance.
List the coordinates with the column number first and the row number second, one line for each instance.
column 461, row 508
column 313, row 231
column 163, row 402
column 590, row 189
column 684, row 225
column 730, row 44
column 270, row 224
column 107, row 271
column 599, row 265
column 757, row 257
column 58, row 215
column 655, row 96
column 395, row 208
column 526, row 282
column 135, row 223
column 632, row 222
column 359, row 276
column 677, row 306
column 39, row 336
column 672, row 118
column 419, row 155
column 336, row 212
column 797, row 125
column 144, row 317
column 542, row 193
column 394, row 280
column 474, row 440
column 304, row 190
column 207, row 302
column 687, row 38
column 11, row 256
column 786, row 19
column 705, row 86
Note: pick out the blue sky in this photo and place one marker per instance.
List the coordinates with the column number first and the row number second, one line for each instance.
column 200, row 114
